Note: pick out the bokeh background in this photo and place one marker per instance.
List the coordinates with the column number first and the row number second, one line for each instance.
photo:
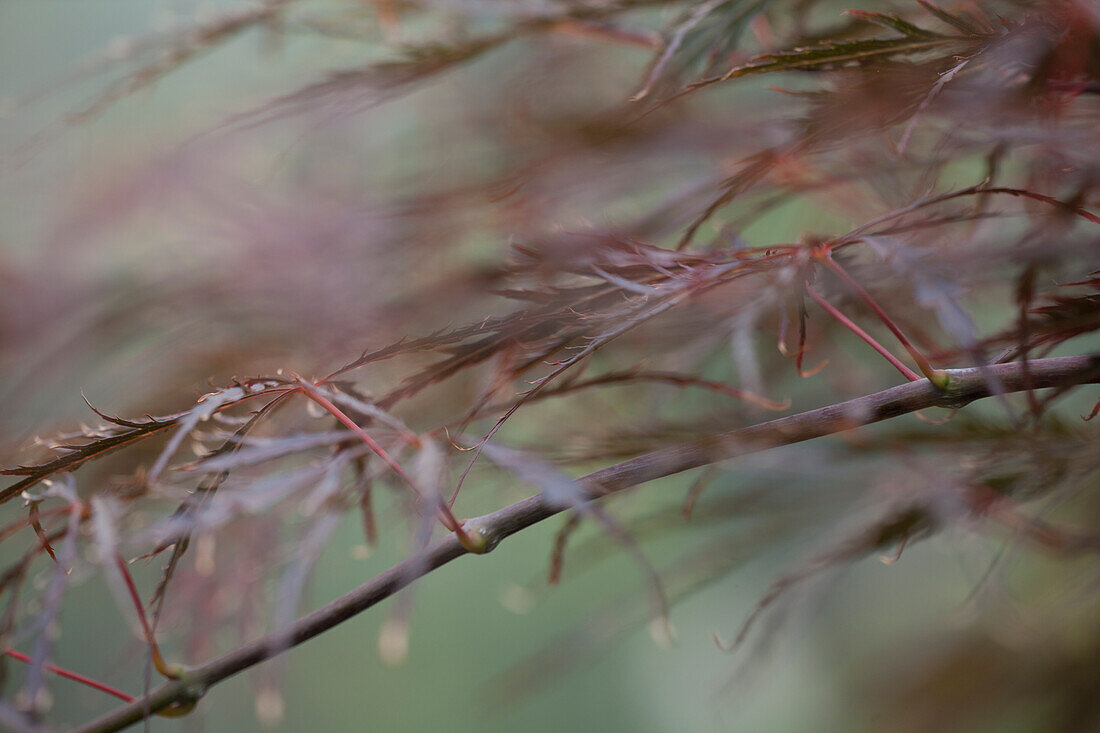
column 152, row 239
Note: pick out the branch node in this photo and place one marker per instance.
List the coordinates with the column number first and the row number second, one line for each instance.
column 477, row 538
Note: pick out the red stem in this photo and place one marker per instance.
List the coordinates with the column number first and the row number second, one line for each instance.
column 922, row 363
column 851, row 326
column 445, row 515
column 62, row 672
column 158, row 660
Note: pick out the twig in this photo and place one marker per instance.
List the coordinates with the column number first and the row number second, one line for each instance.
column 963, row 386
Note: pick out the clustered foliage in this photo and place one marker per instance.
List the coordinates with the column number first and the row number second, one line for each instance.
column 633, row 155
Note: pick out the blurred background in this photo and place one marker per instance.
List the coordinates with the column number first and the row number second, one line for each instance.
column 188, row 194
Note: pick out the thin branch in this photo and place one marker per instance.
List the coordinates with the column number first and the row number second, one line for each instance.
column 963, row 386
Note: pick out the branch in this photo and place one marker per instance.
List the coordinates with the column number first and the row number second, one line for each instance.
column 964, row 386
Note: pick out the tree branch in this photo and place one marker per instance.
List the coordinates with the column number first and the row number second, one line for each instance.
column 965, row 386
